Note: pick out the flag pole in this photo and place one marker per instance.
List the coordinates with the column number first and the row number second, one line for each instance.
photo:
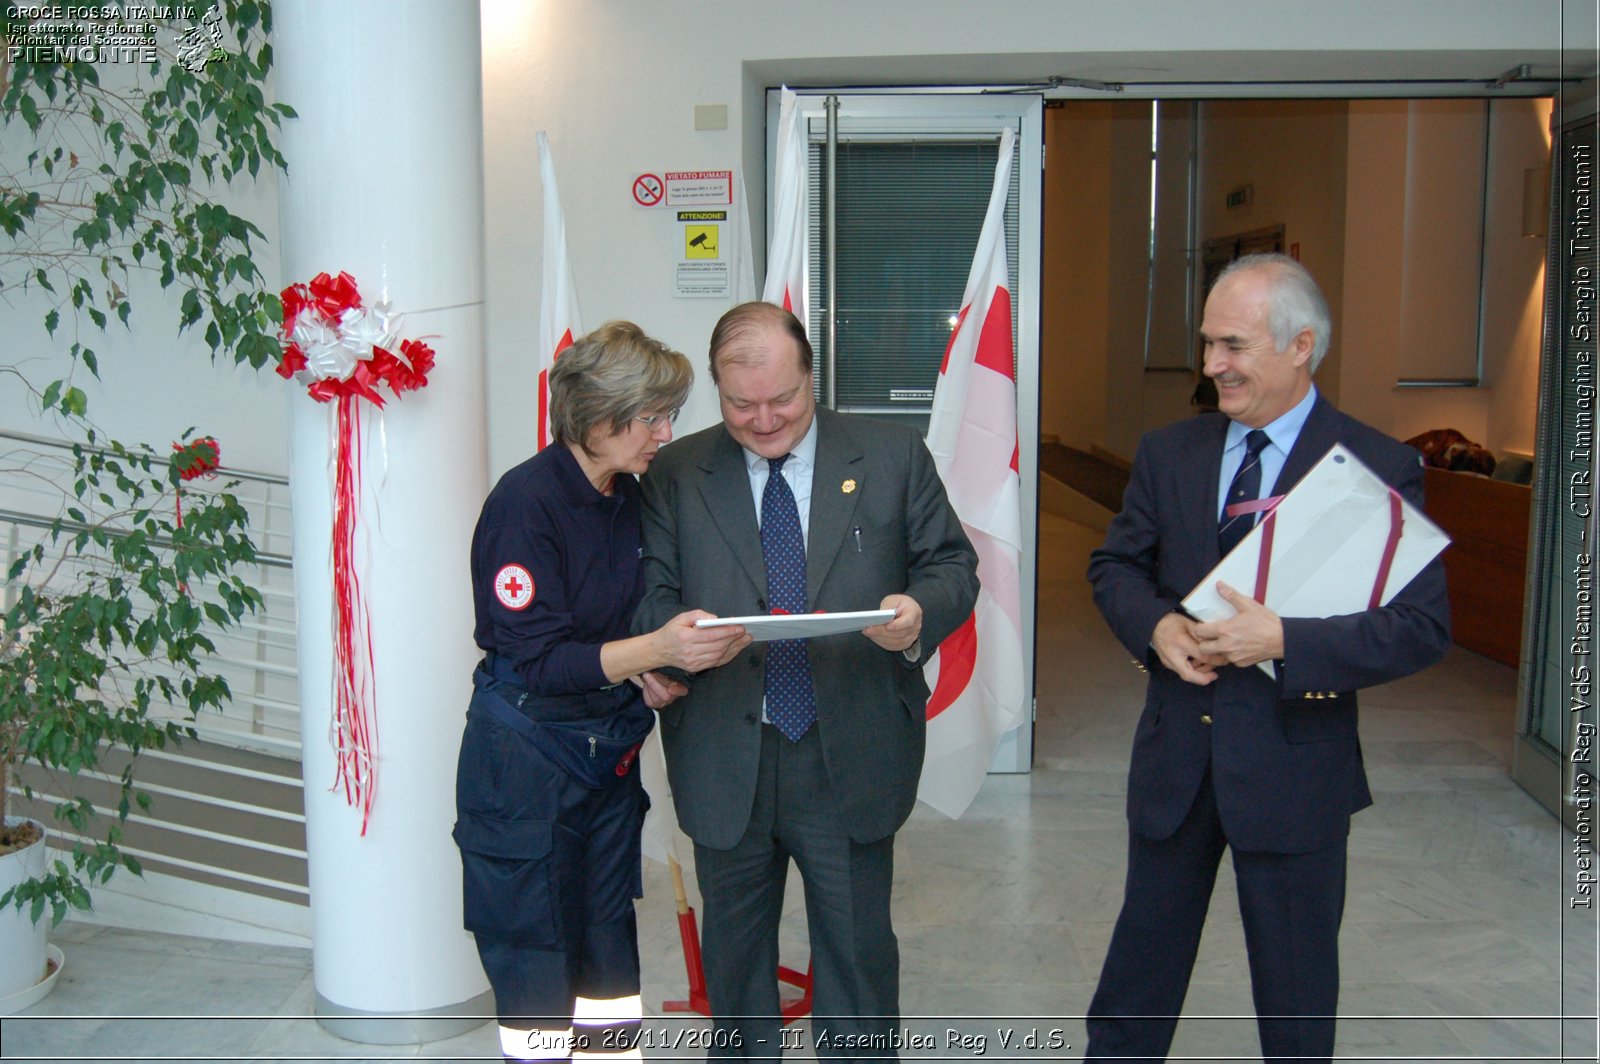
column 689, row 933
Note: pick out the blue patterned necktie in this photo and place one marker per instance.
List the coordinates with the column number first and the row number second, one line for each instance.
column 791, row 705
column 1246, row 487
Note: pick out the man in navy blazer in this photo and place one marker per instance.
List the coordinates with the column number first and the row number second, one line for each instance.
column 878, row 532
column 1223, row 755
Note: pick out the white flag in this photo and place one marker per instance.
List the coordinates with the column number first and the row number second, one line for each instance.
column 742, row 259
column 559, row 321
column 786, row 251
column 977, row 674
column 659, row 839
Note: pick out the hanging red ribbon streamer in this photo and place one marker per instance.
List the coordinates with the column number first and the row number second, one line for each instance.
column 343, row 352
column 351, row 730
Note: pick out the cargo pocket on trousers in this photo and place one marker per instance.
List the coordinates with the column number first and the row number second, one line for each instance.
column 505, row 867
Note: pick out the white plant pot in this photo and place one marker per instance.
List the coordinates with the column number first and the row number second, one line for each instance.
column 23, row 959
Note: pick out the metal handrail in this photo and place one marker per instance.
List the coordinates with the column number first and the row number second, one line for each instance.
column 222, row 471
column 279, row 561
column 255, row 657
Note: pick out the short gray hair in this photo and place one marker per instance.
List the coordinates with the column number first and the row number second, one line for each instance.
column 612, row 376
column 1295, row 301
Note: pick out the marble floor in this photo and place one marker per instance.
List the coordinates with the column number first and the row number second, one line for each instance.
column 1458, row 944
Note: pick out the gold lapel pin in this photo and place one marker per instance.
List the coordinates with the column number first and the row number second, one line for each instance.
column 848, row 486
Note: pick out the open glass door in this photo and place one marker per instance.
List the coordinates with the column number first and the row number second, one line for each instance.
column 1553, row 757
column 911, row 178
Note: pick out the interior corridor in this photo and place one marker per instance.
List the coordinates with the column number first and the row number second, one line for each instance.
column 1453, row 944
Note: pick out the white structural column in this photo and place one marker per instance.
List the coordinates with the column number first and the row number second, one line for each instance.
column 385, row 182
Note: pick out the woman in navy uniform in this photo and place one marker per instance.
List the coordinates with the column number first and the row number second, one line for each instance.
column 548, row 801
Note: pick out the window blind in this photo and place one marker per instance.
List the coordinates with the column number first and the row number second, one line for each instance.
column 909, row 214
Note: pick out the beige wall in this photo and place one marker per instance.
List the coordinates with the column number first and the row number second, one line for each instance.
column 1501, row 412
column 615, row 84
column 1382, row 268
column 1094, row 391
column 1374, row 260
column 1333, row 173
column 1293, row 156
column 1074, row 301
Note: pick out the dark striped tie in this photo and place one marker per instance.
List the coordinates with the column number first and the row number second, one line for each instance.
column 1246, row 487
column 791, row 703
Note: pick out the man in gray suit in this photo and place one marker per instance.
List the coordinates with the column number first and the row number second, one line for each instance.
column 808, row 750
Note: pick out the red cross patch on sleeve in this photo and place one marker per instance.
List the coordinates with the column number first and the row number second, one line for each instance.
column 513, row 586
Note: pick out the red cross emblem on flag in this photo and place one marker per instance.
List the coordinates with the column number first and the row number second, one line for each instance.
column 513, row 586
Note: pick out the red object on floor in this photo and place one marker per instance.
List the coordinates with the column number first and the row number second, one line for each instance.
column 802, row 1004
column 689, row 933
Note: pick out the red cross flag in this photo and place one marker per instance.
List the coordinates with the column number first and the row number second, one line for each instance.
column 976, row 676
column 786, row 251
column 558, row 296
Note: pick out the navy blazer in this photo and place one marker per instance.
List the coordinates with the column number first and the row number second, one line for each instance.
column 880, row 524
column 1284, row 754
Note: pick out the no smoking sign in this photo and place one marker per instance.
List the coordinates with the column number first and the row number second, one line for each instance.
column 648, row 189
column 683, row 188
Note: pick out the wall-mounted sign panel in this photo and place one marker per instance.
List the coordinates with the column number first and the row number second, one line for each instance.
column 702, row 271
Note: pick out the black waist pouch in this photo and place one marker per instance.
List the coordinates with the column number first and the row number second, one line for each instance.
column 593, row 737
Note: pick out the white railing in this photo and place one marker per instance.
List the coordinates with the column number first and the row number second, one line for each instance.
column 256, row 657
column 227, row 809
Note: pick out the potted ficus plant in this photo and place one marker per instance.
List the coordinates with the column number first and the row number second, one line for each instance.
column 115, row 178
column 104, row 635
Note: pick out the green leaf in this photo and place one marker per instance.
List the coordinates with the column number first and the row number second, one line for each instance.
column 191, row 309
column 112, row 639
column 187, row 140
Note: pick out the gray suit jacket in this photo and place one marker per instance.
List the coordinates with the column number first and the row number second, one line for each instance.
column 702, row 550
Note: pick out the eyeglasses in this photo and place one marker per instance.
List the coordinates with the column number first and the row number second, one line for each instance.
column 650, row 421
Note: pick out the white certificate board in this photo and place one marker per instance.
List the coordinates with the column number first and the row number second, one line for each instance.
column 763, row 627
column 1334, row 530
